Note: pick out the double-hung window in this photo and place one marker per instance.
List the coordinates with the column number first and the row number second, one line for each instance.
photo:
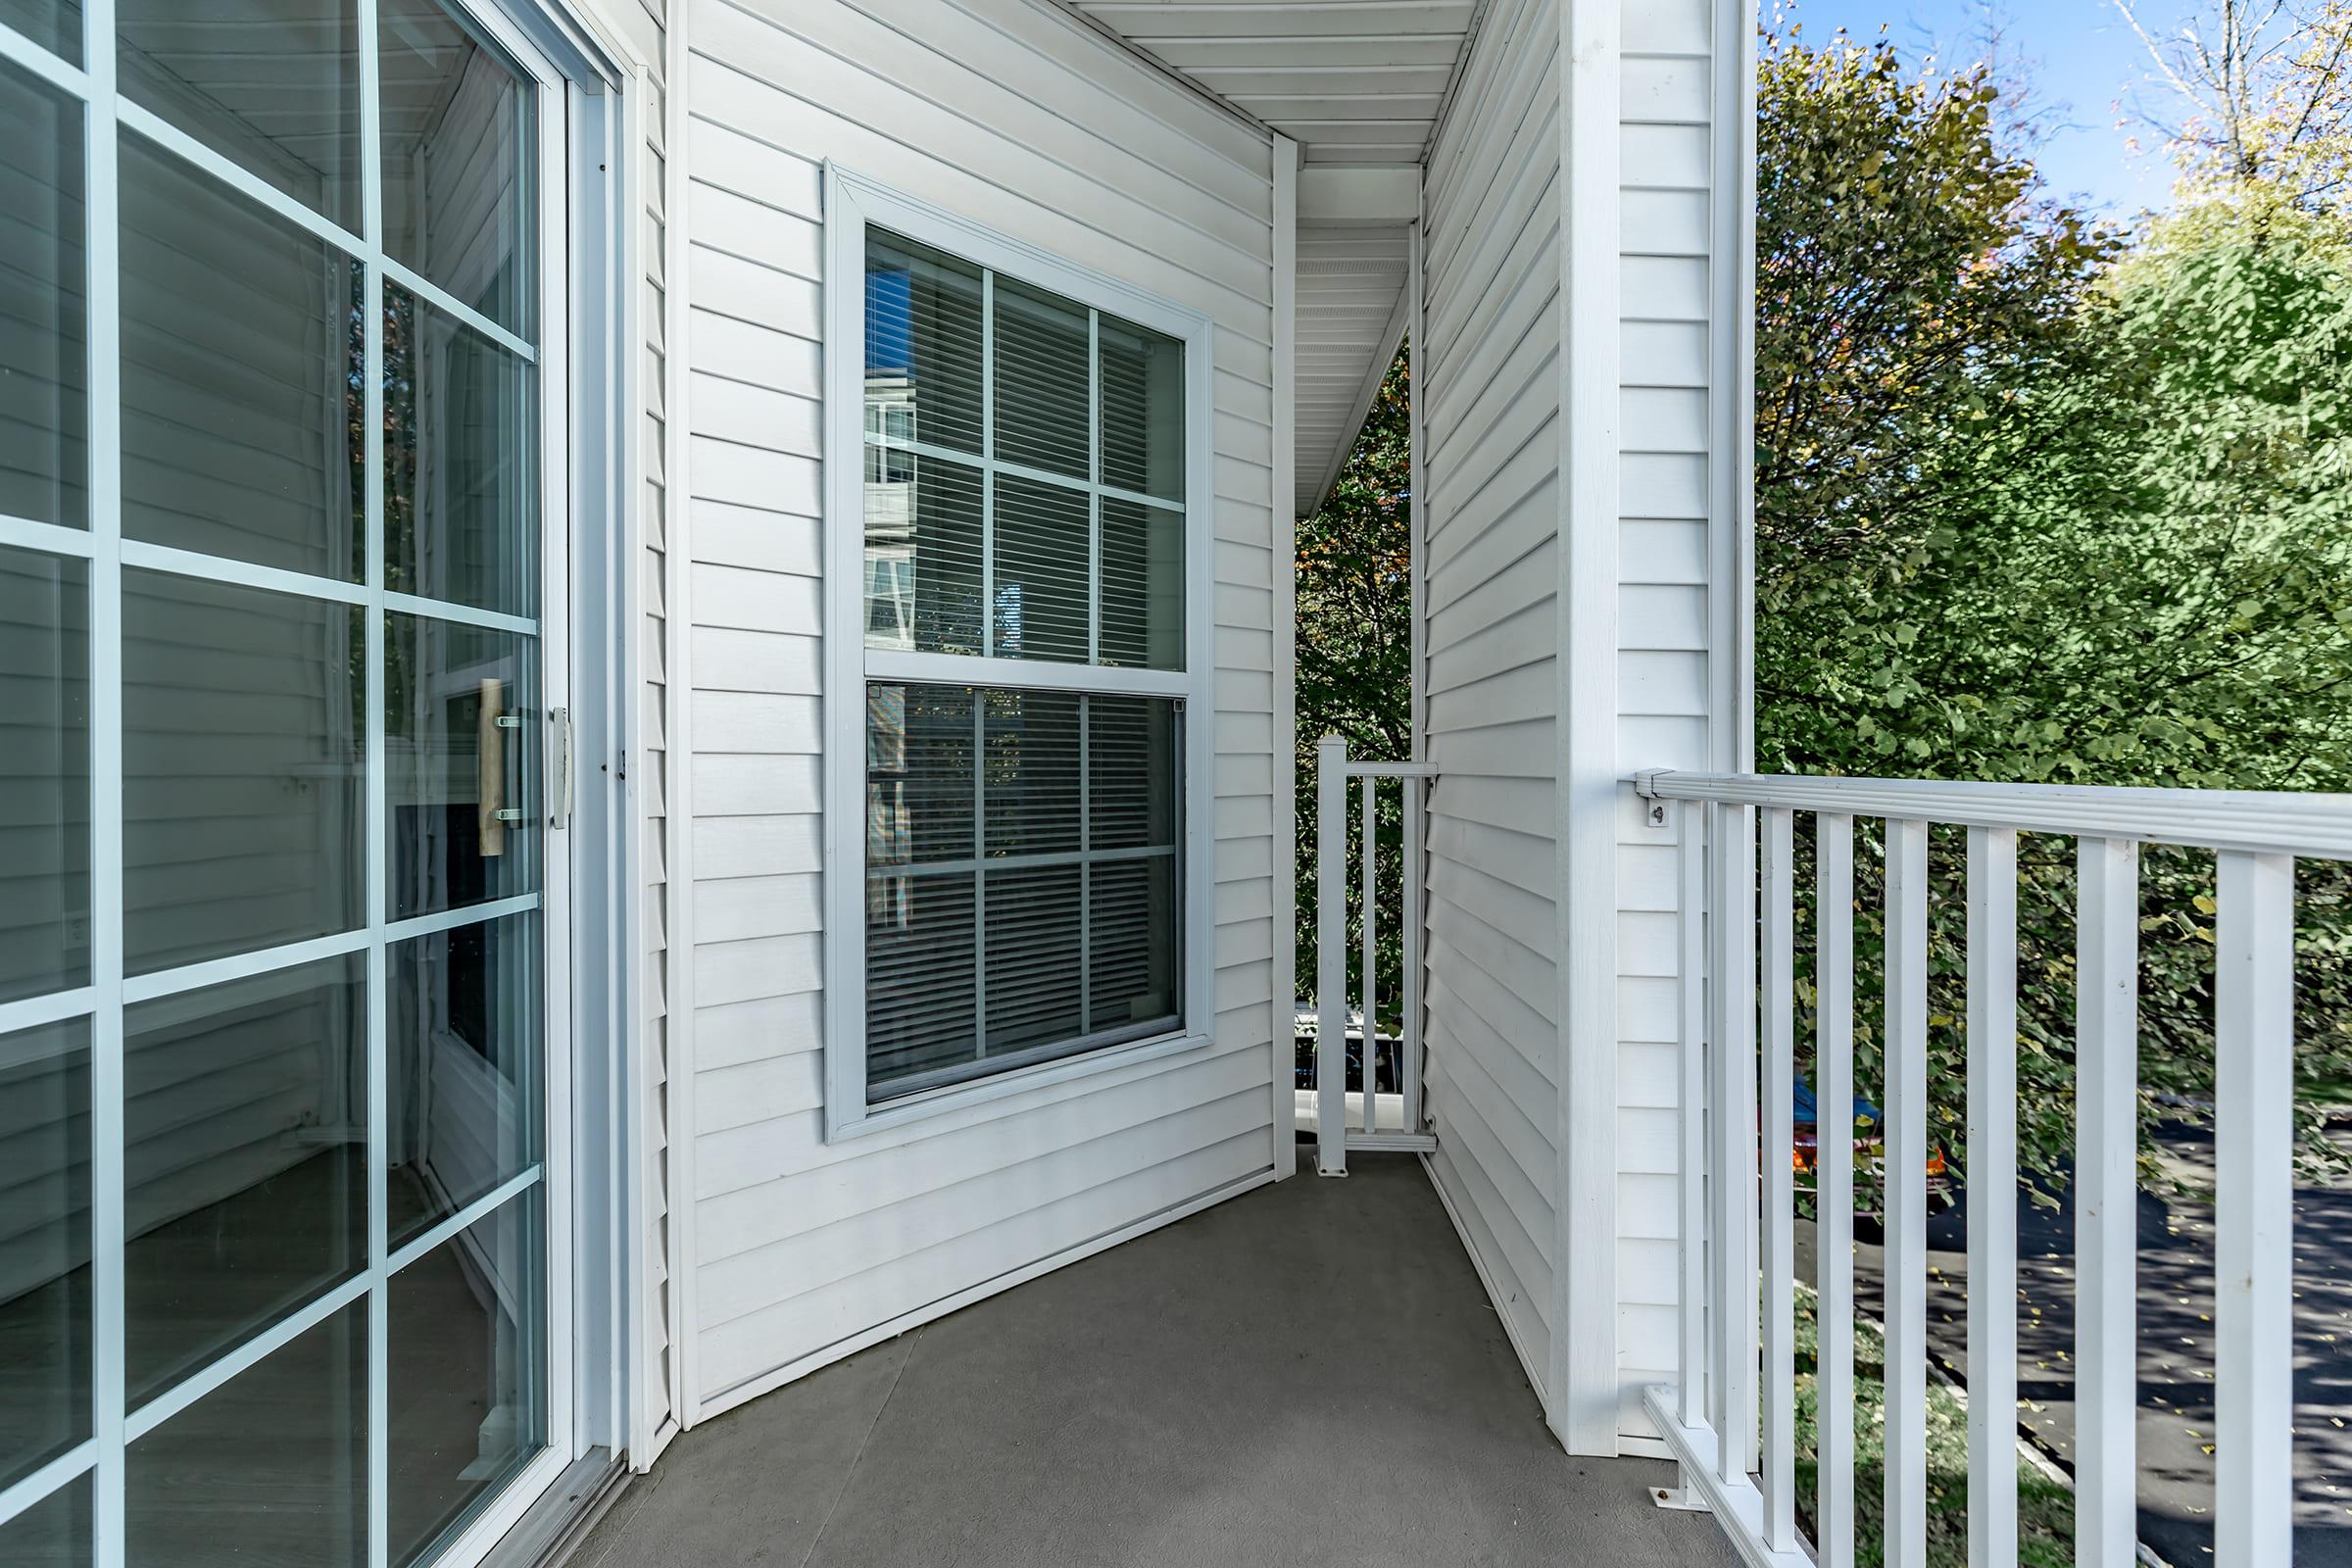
column 1014, row 798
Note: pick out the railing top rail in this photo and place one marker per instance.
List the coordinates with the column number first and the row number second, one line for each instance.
column 1334, row 748
column 2264, row 822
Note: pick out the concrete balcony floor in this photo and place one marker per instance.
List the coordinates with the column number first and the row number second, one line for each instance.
column 1309, row 1374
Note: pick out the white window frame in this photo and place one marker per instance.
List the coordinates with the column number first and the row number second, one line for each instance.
column 852, row 203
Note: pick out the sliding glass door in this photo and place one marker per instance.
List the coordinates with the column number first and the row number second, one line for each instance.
column 282, row 895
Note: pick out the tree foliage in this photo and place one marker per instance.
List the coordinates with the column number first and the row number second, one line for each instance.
column 2117, row 551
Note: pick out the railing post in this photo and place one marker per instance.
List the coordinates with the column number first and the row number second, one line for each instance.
column 1331, row 955
column 1906, row 1193
column 1408, row 1044
column 1833, row 1182
column 2106, row 1202
column 2254, row 1263
column 1731, row 977
column 1368, row 922
column 1779, row 1454
column 1691, row 996
column 1992, row 1200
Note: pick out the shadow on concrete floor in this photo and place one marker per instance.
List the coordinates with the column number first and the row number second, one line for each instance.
column 1308, row 1374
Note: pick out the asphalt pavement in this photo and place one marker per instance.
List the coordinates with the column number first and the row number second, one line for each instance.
column 2175, row 1348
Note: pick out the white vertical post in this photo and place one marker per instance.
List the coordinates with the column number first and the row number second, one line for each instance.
column 102, row 255
column 1993, row 1198
column 1692, row 1164
column 1369, row 901
column 1731, row 941
column 1906, row 1183
column 2106, row 1201
column 2254, row 1264
column 1331, row 955
column 1408, row 1044
column 1778, row 1455
column 1834, row 1185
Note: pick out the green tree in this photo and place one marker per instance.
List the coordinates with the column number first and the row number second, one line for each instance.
column 2102, row 541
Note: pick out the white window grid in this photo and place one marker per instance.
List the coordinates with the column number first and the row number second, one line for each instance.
column 104, row 116
column 854, row 203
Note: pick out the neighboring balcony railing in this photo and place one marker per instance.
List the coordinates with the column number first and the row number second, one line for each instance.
column 1731, row 1418
column 1334, row 1137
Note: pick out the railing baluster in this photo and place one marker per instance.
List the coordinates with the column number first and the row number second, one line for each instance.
column 1369, row 897
column 1992, row 1189
column 1331, row 955
column 1733, row 1017
column 1691, row 1167
column 1779, row 1456
column 1409, row 1057
column 2106, row 1200
column 1834, row 1185
column 2253, row 1312
column 1906, row 1193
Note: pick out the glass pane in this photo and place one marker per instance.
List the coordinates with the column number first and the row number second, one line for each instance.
column 463, row 1076
column 1143, row 408
column 923, row 553
column 275, row 1460
column 922, row 344
column 463, row 735
column 460, row 463
column 44, row 773
column 1133, row 923
column 1030, row 780
column 918, row 769
column 246, row 1176
column 54, row 1533
column 459, row 181
column 468, row 1386
column 1040, row 596
column 54, row 25
column 1034, row 958
column 242, row 431
column 1143, row 585
column 44, row 1247
column 272, row 85
column 44, row 410
column 242, row 754
column 920, row 979
column 1133, row 770
column 1041, row 380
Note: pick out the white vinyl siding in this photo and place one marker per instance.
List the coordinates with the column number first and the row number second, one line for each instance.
column 1490, row 384
column 1017, row 117
column 1675, row 652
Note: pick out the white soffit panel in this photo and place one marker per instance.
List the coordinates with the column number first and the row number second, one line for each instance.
column 1350, row 314
column 1352, row 82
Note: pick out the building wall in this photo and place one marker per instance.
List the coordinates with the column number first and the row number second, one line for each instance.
column 1583, row 607
column 1680, row 584
column 1014, row 115
column 1488, row 374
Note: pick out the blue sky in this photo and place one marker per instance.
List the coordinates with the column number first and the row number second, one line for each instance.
column 2086, row 70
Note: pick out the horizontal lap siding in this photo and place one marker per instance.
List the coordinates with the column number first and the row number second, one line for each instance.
column 1664, row 675
column 1013, row 116
column 1489, row 380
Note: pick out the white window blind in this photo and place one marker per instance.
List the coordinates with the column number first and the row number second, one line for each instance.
column 1023, row 501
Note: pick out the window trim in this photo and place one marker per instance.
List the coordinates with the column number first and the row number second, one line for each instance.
column 852, row 203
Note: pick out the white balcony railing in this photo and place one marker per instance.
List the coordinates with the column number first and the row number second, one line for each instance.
column 1334, row 1137
column 1731, row 1418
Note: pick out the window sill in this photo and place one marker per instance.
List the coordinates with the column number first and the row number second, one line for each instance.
column 843, row 1124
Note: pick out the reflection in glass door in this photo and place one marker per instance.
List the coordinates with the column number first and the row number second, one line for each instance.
column 281, row 911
